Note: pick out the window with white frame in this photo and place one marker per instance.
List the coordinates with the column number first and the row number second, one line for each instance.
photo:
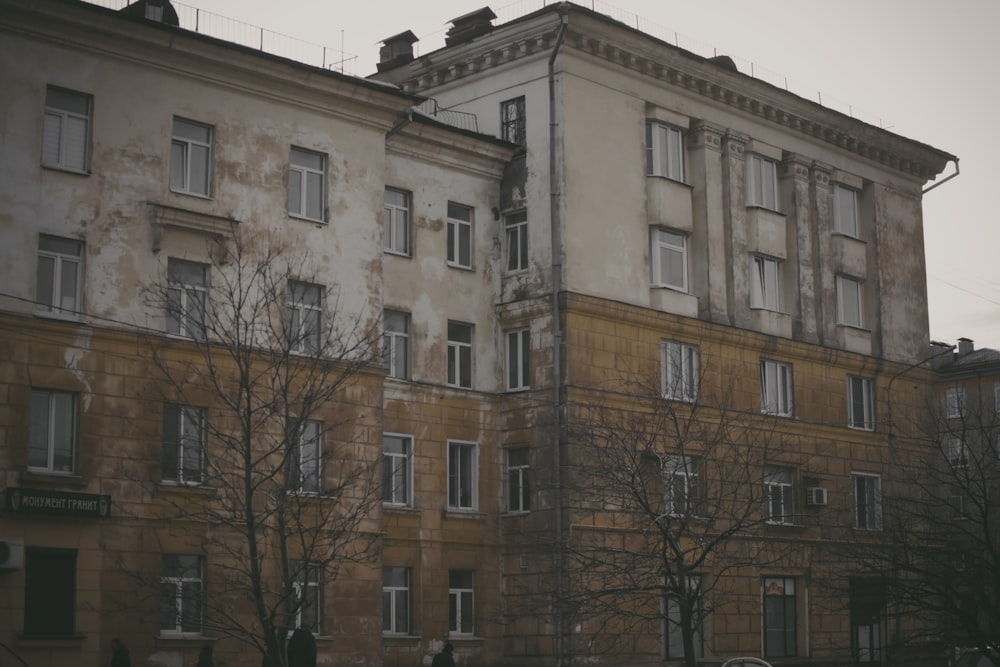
column 305, row 317
column 306, row 184
column 849, row 302
column 844, row 210
column 512, row 121
column 181, row 594
column 780, row 636
column 516, row 242
column 954, row 401
column 463, row 475
column 670, row 259
column 680, row 479
column 779, row 492
column 66, row 131
column 775, row 388
column 305, row 456
column 397, row 469
column 396, row 600
column 59, row 278
column 679, row 371
column 461, row 602
column 518, row 359
column 52, row 431
column 861, row 402
column 459, row 354
column 396, row 343
column 664, row 151
column 765, row 283
column 518, row 486
column 762, row 182
column 187, row 292
column 674, row 634
column 396, row 222
column 304, row 607
column 191, row 158
column 183, row 460
column 459, row 235
column 958, row 453
column 867, row 496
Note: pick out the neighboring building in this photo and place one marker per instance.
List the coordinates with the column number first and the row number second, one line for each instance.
column 639, row 215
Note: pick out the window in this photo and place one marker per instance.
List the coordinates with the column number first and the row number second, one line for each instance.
column 954, row 399
column 681, row 495
column 66, row 131
column 512, row 121
column 674, row 637
column 52, row 431
column 762, row 182
column 519, row 359
column 849, row 301
column 868, row 607
column 303, row 611
column 844, row 210
column 396, row 222
column 679, row 371
column 49, row 592
column 304, row 464
column 664, row 151
column 396, row 344
column 670, row 259
column 463, row 472
column 461, row 602
column 60, row 269
column 181, row 590
column 459, row 236
column 397, row 467
column 305, row 317
column 306, row 177
column 459, row 354
column 780, row 496
column 183, row 444
column 516, row 243
column 187, row 291
column 861, row 402
column 396, row 600
column 765, row 283
column 779, row 617
column 191, row 158
column 776, row 388
column 518, row 488
column 958, row 453
column 867, row 501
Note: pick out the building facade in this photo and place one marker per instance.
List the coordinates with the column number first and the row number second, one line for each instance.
column 439, row 394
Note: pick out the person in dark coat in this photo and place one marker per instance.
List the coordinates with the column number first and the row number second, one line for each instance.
column 302, row 649
column 119, row 654
column 445, row 657
column 205, row 657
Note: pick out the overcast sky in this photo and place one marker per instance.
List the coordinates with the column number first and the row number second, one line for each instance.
column 924, row 69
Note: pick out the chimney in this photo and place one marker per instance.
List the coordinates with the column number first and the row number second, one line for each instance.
column 159, row 11
column 396, row 50
column 965, row 346
column 469, row 26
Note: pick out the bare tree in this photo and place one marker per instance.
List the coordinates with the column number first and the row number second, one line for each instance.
column 676, row 490
column 260, row 411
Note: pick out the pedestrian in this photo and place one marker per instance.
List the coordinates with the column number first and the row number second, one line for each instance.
column 205, row 657
column 119, row 654
column 445, row 657
column 302, row 648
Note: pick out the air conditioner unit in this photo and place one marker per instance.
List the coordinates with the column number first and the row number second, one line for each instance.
column 11, row 554
column 815, row 496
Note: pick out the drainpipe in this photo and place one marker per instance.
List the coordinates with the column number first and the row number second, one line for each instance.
column 555, row 225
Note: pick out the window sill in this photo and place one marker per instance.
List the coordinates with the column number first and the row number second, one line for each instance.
column 397, row 253
column 863, row 429
column 197, row 195
column 168, row 640
column 515, row 514
column 670, row 179
column 72, row 316
column 54, row 478
column 53, row 642
column 461, row 513
column 850, row 237
column 761, row 207
column 303, row 218
column 517, row 390
column 181, row 486
column 66, row 170
column 406, row 509
column 460, row 267
column 400, row 638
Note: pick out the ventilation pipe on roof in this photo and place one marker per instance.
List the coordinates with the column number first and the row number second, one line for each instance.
column 396, row 50
column 469, row 26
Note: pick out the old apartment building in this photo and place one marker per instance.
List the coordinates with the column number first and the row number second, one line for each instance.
column 446, row 363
